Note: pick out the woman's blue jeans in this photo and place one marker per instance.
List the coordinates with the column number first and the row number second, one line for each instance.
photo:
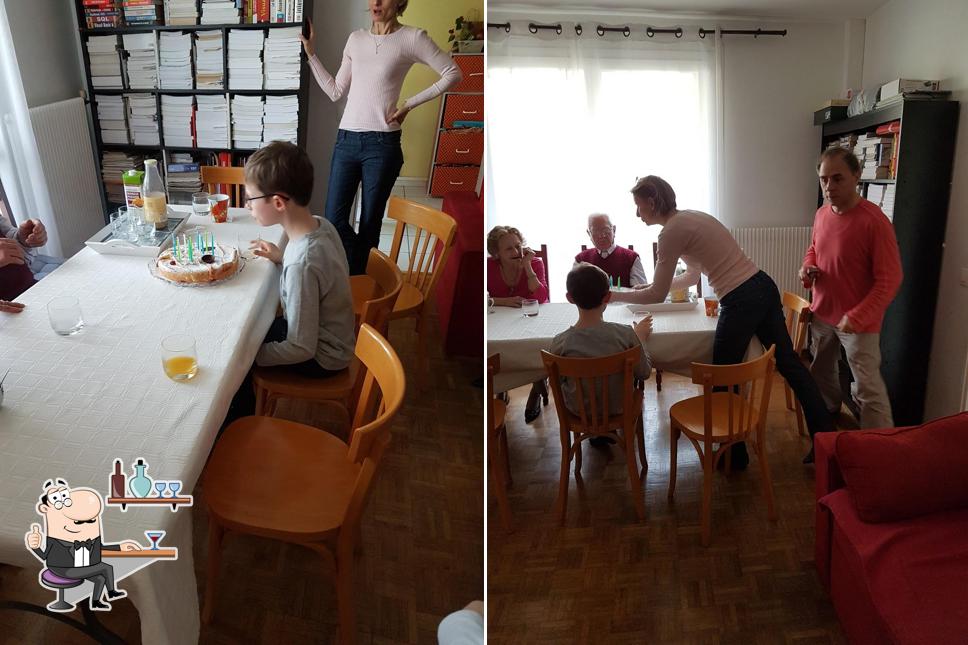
column 373, row 159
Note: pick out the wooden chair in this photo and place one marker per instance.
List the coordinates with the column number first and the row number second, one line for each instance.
column 798, row 317
column 231, row 176
column 376, row 293
column 724, row 418
column 431, row 241
column 291, row 482
column 655, row 260
column 543, row 254
column 594, row 419
column 497, row 444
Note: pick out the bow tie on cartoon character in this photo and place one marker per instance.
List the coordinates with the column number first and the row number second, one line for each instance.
column 73, row 546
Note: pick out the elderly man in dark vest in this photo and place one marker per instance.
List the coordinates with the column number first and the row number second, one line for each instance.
column 623, row 266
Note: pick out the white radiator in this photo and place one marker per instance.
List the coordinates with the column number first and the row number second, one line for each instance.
column 64, row 144
column 778, row 252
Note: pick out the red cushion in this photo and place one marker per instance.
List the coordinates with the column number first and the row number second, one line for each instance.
column 906, row 472
column 906, row 579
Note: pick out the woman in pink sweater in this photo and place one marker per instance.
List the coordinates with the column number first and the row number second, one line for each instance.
column 375, row 62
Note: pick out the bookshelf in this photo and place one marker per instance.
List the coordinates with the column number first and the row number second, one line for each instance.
column 110, row 187
column 922, row 184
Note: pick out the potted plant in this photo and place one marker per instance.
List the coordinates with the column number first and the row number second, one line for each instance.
column 467, row 36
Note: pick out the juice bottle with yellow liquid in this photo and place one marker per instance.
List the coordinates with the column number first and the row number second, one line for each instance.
column 153, row 194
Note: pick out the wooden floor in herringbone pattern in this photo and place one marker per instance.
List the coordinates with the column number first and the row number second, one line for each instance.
column 605, row 578
column 423, row 537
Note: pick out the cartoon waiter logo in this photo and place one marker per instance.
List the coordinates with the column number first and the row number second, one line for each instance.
column 73, row 541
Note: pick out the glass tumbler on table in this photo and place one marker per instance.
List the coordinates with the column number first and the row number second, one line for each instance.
column 65, row 315
column 529, row 307
column 200, row 203
column 178, row 357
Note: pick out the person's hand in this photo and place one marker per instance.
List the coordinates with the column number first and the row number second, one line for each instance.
column 32, row 233
column 643, row 328
column 267, row 250
column 34, row 538
column 10, row 252
column 807, row 275
column 398, row 115
column 845, row 325
column 527, row 255
column 130, row 545
column 11, row 307
column 309, row 44
column 513, row 301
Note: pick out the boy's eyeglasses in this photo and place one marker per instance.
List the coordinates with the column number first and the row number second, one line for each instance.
column 249, row 200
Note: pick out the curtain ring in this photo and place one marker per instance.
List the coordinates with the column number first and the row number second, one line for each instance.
column 533, row 28
column 650, row 32
column 578, row 30
column 758, row 32
column 678, row 32
column 626, row 31
column 702, row 32
column 558, row 29
column 600, row 30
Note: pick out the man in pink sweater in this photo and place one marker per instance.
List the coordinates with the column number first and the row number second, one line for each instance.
column 854, row 268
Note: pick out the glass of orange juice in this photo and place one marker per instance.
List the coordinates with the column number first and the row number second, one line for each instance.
column 178, row 357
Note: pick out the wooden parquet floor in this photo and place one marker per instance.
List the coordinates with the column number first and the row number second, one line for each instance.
column 423, row 537
column 605, row 578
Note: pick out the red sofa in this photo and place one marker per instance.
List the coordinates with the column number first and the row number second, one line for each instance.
column 460, row 288
column 892, row 531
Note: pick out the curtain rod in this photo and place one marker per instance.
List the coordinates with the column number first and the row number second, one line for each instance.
column 626, row 31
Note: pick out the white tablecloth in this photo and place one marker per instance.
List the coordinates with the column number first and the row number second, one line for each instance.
column 75, row 404
column 678, row 338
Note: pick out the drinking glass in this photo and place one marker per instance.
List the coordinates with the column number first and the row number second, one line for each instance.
column 174, row 486
column 154, row 537
column 529, row 307
column 178, row 357
column 200, row 203
column 119, row 222
column 65, row 315
column 160, row 487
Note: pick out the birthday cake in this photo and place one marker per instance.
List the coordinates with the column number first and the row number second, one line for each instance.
column 198, row 263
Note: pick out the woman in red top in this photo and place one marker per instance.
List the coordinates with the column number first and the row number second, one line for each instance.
column 514, row 274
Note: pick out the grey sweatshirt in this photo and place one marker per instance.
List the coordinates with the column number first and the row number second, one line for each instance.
column 316, row 301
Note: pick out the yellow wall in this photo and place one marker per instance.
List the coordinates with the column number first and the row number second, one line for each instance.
column 437, row 17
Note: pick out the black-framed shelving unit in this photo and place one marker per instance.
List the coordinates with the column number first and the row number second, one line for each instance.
column 922, row 189
column 162, row 151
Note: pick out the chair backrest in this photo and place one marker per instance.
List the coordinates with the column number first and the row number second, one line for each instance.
column 798, row 316
column 749, row 385
column 430, row 229
column 493, row 367
column 655, row 260
column 591, row 378
column 232, row 176
column 543, row 254
column 388, row 280
column 380, row 397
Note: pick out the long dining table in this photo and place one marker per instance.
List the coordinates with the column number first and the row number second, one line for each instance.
column 76, row 403
column 678, row 338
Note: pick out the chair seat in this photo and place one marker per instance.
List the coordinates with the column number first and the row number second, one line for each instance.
column 688, row 413
column 279, row 479
column 500, row 411
column 283, row 383
column 409, row 302
column 51, row 579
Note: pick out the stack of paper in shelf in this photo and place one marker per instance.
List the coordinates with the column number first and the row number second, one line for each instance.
column 105, row 62
column 110, row 116
column 175, row 72
column 181, row 12
column 209, row 72
column 141, row 63
column 212, row 121
column 184, row 178
column 143, row 119
column 141, row 12
column 219, row 12
column 281, row 118
column 874, row 153
column 245, row 59
column 247, row 114
column 282, row 62
column 177, row 114
column 113, row 165
column 882, row 195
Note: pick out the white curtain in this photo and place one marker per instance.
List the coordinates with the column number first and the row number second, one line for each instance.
column 20, row 168
column 574, row 120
